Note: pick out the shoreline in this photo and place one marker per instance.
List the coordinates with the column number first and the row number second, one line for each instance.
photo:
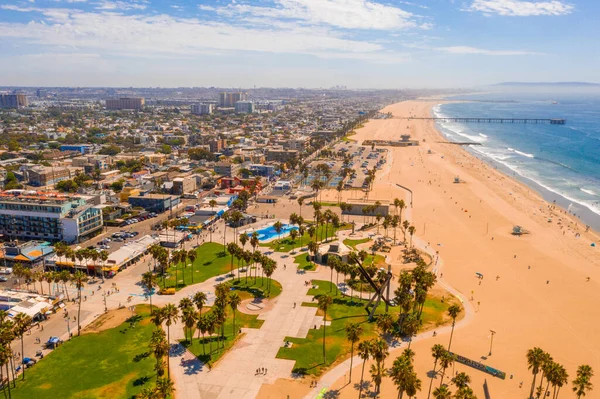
column 584, row 215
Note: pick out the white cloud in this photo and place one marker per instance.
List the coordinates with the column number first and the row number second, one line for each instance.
column 520, row 8
column 346, row 14
column 120, row 5
column 474, row 50
column 116, row 34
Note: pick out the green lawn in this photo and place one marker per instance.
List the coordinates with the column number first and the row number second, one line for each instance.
column 303, row 262
column 256, row 288
column 353, row 243
column 201, row 347
column 308, row 352
column 211, row 261
column 287, row 244
column 114, row 363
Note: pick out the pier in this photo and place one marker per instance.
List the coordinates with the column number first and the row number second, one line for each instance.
column 492, row 120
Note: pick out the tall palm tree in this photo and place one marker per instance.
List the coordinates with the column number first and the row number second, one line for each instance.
column 379, row 352
column 192, row 255
column 465, row 393
column 199, row 300
column 149, row 281
column 582, row 384
column 461, row 380
column 234, row 302
column 212, row 203
column 188, row 317
column 65, row 277
column 535, row 358
column 561, row 379
column 437, row 351
column 22, row 324
column 453, row 312
column 165, row 388
column 411, row 231
column 353, row 333
column 170, row 315
column 324, row 302
column 364, row 352
column 442, row 392
column 446, row 361
column 202, row 326
column 79, row 279
column 314, row 248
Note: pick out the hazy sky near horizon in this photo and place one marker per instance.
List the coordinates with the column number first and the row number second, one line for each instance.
column 297, row 43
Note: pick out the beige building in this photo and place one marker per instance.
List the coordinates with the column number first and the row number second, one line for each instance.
column 125, row 103
column 226, row 169
column 280, row 155
column 184, row 185
column 45, row 175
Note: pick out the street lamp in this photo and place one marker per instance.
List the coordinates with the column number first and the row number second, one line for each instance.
column 492, row 341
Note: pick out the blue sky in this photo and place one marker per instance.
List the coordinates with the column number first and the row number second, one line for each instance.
column 297, row 43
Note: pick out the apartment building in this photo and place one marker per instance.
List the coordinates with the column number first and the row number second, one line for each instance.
column 41, row 176
column 202, row 109
column 135, row 103
column 13, row 100
column 229, row 99
column 280, row 155
column 184, row 185
column 226, row 169
column 32, row 215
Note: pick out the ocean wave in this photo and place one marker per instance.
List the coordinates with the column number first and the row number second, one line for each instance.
column 525, row 154
column 588, row 191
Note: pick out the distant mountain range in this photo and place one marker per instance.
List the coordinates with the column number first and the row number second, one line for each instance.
column 555, row 84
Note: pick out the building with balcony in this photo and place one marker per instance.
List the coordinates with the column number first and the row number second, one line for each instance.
column 184, row 185
column 32, row 215
column 202, row 109
column 41, row 176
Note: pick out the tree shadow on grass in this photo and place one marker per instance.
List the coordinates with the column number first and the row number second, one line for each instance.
column 141, row 356
column 141, row 381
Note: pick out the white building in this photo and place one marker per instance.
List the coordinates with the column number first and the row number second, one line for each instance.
column 202, row 109
column 244, row 107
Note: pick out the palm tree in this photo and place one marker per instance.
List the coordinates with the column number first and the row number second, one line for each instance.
column 199, row 300
column 202, row 326
column 188, row 317
column 442, row 392
column 234, row 250
column 394, row 223
column 535, row 359
column 582, row 384
column 22, row 324
column 364, row 352
column 192, row 255
column 79, row 279
column 379, row 351
column 411, row 231
column 324, row 302
column 300, row 202
column 165, row 388
column 149, row 282
column 465, row 393
column 353, row 333
column 65, row 277
column 437, row 351
column 278, row 226
column 234, row 301
column 170, row 315
column 446, row 361
column 453, row 312
column 461, row 380
column 314, row 248
column 385, row 323
column 212, row 203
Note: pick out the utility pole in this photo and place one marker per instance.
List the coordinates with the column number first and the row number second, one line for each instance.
column 492, row 342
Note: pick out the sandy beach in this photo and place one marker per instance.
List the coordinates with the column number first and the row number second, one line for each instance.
column 534, row 291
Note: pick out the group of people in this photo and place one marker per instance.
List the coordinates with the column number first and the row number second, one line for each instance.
column 261, row 370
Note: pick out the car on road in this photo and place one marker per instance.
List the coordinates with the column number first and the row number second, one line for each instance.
column 3, row 279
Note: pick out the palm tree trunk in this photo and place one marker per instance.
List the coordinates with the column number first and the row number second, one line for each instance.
column 433, row 375
column 203, row 343
column 324, row 326
column 79, row 315
column 8, row 381
column 351, row 356
column 451, row 334
column 23, row 352
column 169, row 353
column 362, row 374
column 532, row 386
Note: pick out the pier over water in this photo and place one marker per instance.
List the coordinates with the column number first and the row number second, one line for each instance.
column 491, row 120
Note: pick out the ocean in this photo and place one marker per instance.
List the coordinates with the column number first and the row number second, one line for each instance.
column 562, row 162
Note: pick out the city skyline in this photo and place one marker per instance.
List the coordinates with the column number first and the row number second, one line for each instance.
column 296, row 43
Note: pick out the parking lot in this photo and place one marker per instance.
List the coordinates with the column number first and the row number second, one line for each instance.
column 363, row 160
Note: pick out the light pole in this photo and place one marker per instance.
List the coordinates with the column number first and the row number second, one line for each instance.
column 68, row 320
column 492, row 342
column 104, row 295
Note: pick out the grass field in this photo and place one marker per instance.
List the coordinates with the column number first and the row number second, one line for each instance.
column 287, row 244
column 114, row 363
column 256, row 288
column 308, row 352
column 303, row 262
column 210, row 262
column 353, row 243
column 201, row 347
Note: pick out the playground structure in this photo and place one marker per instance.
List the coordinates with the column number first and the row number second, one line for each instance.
column 518, row 231
column 381, row 291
